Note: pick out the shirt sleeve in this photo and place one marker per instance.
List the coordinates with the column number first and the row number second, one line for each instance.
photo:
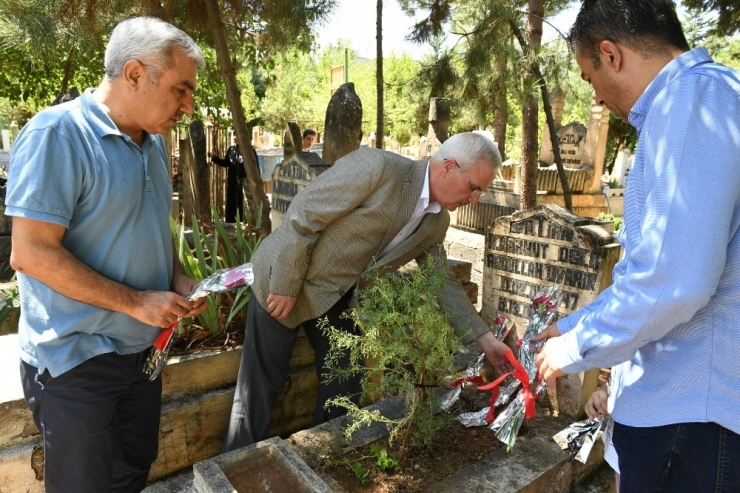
column 45, row 177
column 677, row 231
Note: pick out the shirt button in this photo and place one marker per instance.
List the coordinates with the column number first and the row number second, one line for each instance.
column 147, row 177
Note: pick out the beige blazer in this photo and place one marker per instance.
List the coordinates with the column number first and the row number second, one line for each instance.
column 336, row 228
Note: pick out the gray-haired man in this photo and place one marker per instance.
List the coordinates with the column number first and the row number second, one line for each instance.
column 90, row 192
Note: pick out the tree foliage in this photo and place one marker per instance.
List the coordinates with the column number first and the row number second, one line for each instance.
column 727, row 11
column 408, row 343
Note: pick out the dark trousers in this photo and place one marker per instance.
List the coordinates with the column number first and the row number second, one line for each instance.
column 99, row 422
column 268, row 345
column 685, row 457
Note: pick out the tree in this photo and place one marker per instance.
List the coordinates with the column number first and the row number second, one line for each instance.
column 728, row 14
column 530, row 107
column 482, row 28
column 379, row 132
column 258, row 28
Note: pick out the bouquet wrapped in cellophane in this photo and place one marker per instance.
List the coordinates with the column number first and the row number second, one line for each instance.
column 219, row 282
column 543, row 313
column 501, row 328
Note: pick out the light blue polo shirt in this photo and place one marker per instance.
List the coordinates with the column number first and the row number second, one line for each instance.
column 71, row 166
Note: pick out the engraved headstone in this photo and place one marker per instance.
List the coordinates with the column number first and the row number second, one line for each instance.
column 290, row 177
column 542, row 247
column 573, row 152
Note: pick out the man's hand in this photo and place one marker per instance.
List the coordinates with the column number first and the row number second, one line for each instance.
column 280, row 306
column 495, row 352
column 546, row 365
column 550, row 332
column 160, row 308
column 597, row 404
column 184, row 285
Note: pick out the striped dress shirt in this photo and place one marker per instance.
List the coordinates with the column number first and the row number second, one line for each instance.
column 670, row 322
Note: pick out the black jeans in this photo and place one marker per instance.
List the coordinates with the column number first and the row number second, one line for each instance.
column 685, row 457
column 268, row 346
column 99, row 422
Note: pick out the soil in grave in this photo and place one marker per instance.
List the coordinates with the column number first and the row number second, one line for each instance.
column 456, row 448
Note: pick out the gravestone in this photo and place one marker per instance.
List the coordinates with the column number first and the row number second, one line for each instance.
column 571, row 139
column 256, row 137
column 541, row 247
column 439, row 121
column 343, row 125
column 296, row 135
column 598, row 130
column 622, row 166
column 439, row 117
column 291, row 176
column 557, row 103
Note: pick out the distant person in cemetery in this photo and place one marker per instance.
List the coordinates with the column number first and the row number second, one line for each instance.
column 90, row 195
column 371, row 209
column 669, row 322
column 309, row 137
column 235, row 174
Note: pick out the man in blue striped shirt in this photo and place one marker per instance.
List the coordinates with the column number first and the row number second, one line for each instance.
column 669, row 322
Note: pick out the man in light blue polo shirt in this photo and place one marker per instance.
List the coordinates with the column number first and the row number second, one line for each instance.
column 90, row 192
column 669, row 323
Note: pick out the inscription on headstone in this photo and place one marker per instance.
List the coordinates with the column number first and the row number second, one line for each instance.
column 572, row 139
column 545, row 246
column 290, row 177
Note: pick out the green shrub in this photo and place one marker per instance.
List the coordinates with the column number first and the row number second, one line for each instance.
column 409, row 345
column 610, row 217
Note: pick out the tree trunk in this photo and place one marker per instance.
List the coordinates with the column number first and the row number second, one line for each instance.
column 68, row 70
column 187, row 179
column 528, row 163
column 379, row 131
column 200, row 172
column 502, row 109
column 540, row 80
column 259, row 206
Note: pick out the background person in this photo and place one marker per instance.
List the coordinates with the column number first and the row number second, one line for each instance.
column 371, row 209
column 90, row 191
column 668, row 323
column 309, row 137
column 235, row 173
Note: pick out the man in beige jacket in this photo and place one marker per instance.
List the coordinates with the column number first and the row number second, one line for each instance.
column 372, row 209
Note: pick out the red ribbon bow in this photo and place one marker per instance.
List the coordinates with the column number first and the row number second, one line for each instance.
column 520, row 374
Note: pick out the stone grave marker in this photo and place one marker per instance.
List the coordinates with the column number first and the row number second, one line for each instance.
column 439, row 122
column 571, row 139
column 343, row 124
column 291, row 176
column 541, row 247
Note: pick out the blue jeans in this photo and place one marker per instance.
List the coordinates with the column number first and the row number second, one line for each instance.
column 684, row 457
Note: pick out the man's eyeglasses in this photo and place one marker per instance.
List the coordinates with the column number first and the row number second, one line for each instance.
column 473, row 189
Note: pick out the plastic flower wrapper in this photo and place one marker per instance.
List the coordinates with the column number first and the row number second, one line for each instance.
column 508, row 423
column 501, row 328
column 506, row 426
column 219, row 282
column 472, row 374
column 544, row 306
column 544, row 311
column 578, row 438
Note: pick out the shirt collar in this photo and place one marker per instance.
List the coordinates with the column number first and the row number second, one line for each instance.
column 99, row 119
column 427, row 206
column 670, row 72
